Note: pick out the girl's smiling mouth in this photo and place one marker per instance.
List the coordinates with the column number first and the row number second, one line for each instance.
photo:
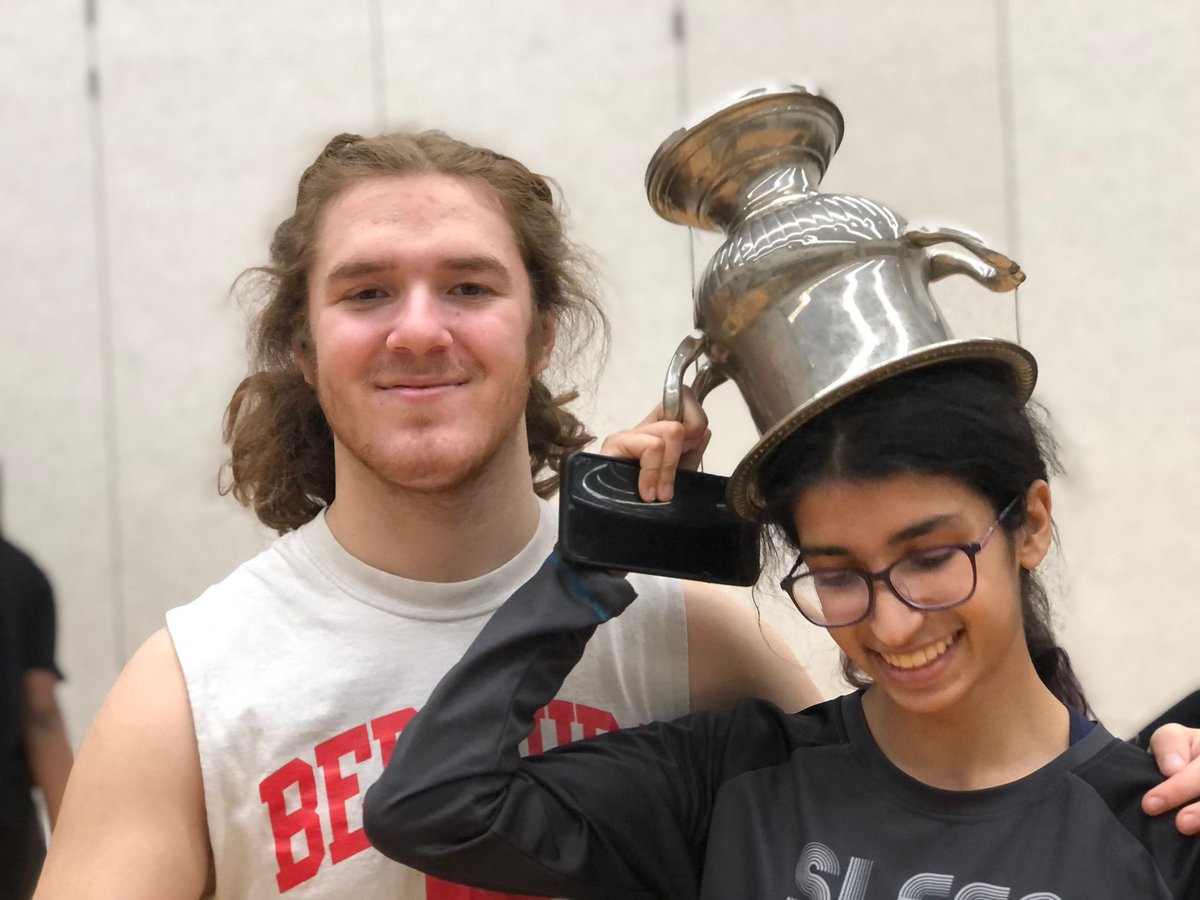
column 921, row 657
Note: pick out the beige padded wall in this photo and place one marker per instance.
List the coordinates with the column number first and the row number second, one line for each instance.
column 1105, row 135
column 1047, row 128
column 55, row 440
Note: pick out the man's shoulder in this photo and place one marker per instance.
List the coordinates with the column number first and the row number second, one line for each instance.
column 274, row 571
column 658, row 615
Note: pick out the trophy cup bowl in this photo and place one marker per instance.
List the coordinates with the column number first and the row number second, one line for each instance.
column 813, row 295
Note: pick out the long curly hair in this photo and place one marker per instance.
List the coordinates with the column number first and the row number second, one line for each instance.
column 281, row 446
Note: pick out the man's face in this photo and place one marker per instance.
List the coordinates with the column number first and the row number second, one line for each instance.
column 424, row 337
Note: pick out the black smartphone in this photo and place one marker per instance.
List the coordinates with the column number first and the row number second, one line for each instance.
column 602, row 521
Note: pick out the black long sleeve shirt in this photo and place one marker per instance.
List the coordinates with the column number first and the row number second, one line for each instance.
column 743, row 803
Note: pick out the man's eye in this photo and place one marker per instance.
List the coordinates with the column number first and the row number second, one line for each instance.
column 366, row 295
column 471, row 289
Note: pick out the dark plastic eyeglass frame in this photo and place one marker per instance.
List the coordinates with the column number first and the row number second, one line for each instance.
column 885, row 575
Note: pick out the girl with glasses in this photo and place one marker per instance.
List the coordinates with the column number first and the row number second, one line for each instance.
column 964, row 766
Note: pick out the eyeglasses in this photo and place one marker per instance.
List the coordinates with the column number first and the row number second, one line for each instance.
column 936, row 578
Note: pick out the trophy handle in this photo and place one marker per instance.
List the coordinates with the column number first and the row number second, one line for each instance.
column 691, row 350
column 989, row 267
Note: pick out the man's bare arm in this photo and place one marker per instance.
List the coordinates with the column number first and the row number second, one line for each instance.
column 133, row 820
column 45, row 738
column 731, row 655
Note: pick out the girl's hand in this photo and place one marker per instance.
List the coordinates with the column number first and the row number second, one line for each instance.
column 663, row 445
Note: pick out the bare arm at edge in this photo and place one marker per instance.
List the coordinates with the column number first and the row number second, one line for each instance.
column 133, row 822
column 732, row 655
column 45, row 738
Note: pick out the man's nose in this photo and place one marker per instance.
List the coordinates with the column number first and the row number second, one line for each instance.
column 893, row 621
column 420, row 323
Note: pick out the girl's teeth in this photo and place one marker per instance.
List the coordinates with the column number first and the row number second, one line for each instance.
column 918, row 658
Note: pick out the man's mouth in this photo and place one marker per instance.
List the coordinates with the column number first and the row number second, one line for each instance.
column 422, row 385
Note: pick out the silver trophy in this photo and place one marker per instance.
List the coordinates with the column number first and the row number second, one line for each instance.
column 813, row 295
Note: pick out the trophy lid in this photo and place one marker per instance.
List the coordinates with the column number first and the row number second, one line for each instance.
column 700, row 176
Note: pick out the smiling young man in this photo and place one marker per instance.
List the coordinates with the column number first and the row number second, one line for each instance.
column 396, row 431
column 425, row 339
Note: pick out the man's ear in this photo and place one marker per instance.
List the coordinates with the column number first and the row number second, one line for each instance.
column 545, row 333
column 1033, row 538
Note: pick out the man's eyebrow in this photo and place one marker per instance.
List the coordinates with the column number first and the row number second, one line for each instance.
column 475, row 263
column 357, row 268
column 917, row 529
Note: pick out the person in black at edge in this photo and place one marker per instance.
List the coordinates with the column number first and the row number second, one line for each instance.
column 1185, row 712
column 964, row 766
column 33, row 739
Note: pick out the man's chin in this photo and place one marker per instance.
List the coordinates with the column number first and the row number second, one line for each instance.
column 430, row 475
column 441, row 484
column 429, row 463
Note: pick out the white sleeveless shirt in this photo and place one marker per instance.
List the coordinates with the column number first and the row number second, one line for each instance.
column 304, row 664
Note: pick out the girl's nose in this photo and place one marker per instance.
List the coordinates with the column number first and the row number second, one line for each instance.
column 893, row 622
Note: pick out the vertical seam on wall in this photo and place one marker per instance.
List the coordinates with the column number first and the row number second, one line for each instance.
column 683, row 107
column 1007, row 88
column 106, row 338
column 375, row 35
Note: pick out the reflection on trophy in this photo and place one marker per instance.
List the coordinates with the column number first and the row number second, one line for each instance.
column 813, row 295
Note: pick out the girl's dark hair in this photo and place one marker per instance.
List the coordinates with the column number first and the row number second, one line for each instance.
column 963, row 420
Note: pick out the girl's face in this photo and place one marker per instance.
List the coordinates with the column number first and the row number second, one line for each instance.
column 927, row 662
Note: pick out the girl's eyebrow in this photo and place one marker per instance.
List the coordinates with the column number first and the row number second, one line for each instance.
column 917, row 529
column 924, row 527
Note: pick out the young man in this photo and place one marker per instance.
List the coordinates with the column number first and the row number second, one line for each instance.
column 389, row 431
